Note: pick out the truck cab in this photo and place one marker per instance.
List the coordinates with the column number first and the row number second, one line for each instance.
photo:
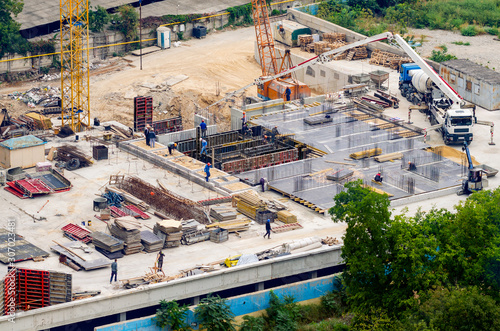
column 457, row 126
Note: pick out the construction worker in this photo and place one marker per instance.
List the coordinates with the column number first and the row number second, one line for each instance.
column 114, row 271
column 268, row 229
column 204, row 145
column 171, row 146
column 203, row 127
column 411, row 166
column 378, row 178
column 243, row 122
column 207, row 170
column 274, row 133
column 159, row 260
column 146, row 133
column 263, row 184
column 288, row 92
column 152, row 137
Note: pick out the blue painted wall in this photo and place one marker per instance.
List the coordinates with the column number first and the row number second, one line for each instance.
column 240, row 305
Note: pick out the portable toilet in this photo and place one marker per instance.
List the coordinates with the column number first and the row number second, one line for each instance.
column 163, row 34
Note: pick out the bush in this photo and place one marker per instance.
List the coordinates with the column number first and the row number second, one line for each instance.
column 461, row 43
column 492, row 31
column 251, row 323
column 469, row 31
column 441, row 56
column 172, row 315
column 214, row 314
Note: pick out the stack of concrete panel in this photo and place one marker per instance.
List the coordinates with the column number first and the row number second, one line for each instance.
column 170, row 231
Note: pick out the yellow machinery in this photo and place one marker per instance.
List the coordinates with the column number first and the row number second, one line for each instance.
column 74, row 18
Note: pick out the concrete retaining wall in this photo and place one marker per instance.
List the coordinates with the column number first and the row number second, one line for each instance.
column 116, row 303
column 241, row 305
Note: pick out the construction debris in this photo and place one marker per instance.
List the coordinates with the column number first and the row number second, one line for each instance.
column 231, row 226
column 330, row 241
column 73, row 157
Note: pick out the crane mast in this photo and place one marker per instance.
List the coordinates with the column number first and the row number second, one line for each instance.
column 265, row 41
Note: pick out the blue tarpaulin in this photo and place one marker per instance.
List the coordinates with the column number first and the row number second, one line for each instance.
column 114, row 199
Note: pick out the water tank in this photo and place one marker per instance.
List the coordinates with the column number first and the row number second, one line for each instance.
column 420, row 80
column 199, row 31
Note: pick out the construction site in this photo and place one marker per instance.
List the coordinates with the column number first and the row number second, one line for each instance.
column 266, row 122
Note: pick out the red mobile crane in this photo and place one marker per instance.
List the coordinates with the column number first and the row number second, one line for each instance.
column 276, row 88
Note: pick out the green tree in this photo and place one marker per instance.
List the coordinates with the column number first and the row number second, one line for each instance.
column 11, row 40
column 128, row 22
column 98, row 19
column 172, row 315
column 459, row 309
column 366, row 250
column 214, row 314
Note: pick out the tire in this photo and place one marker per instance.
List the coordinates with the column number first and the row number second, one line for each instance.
column 73, row 164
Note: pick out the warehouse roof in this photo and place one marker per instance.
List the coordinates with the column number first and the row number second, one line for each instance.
column 472, row 69
column 37, row 12
column 22, row 142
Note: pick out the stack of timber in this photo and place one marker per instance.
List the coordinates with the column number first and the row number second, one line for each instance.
column 388, row 157
column 170, row 232
column 127, row 229
column 305, row 41
column 150, row 241
column 248, row 203
column 321, row 47
column 335, row 45
column 231, row 226
column 222, row 213
column 387, row 59
column 368, row 105
column 332, row 37
column 357, row 53
column 286, row 217
column 366, row 153
column 128, row 197
column 124, row 134
column 106, row 244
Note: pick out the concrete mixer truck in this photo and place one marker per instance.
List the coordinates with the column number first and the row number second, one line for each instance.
column 420, row 85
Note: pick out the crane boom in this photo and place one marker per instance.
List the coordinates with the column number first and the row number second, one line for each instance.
column 426, row 68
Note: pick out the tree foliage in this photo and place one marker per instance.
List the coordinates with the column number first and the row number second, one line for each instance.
column 11, row 40
column 128, row 22
column 214, row 314
column 98, row 19
column 394, row 264
column 172, row 315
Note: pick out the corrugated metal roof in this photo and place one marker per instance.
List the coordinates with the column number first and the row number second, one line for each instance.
column 22, row 142
column 475, row 70
column 38, row 12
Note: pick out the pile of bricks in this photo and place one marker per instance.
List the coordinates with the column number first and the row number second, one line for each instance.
column 387, row 59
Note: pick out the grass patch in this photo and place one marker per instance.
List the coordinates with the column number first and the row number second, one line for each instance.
column 461, row 43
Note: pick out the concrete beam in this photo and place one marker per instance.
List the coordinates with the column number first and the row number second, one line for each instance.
column 183, row 288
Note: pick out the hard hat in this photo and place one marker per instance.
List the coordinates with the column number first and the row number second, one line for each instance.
column 201, row 139
column 203, row 120
column 208, row 163
column 175, row 144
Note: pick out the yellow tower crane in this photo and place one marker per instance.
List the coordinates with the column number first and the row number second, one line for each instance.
column 75, row 106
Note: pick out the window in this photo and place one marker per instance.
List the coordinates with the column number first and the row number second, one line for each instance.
column 453, row 79
column 477, row 88
column 460, row 82
column 322, row 73
column 310, row 72
column 468, row 85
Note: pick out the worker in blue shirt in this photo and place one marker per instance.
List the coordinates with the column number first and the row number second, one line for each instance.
column 288, row 92
column 207, row 170
column 114, row 271
column 203, row 127
column 204, row 145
